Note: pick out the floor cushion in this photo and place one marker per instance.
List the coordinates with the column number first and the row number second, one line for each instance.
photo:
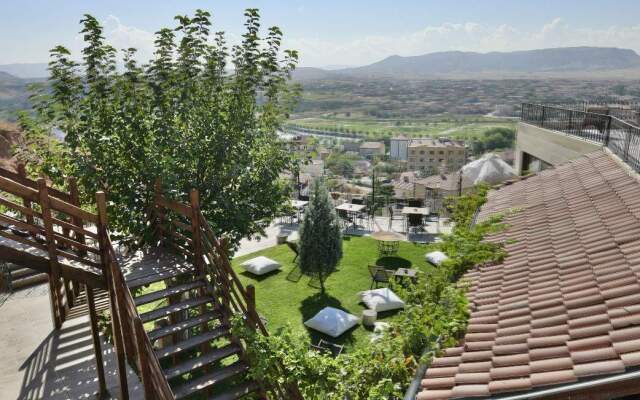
column 332, row 321
column 382, row 299
column 260, row 265
column 436, row 257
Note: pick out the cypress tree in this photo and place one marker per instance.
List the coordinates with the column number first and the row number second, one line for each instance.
column 320, row 236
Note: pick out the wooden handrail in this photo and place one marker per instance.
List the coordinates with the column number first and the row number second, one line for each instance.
column 23, row 180
column 132, row 341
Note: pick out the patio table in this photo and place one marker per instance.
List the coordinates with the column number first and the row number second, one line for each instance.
column 403, row 273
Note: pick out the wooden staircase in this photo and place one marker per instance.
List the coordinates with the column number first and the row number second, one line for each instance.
column 170, row 305
column 191, row 337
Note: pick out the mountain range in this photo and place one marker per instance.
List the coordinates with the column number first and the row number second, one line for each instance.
column 565, row 61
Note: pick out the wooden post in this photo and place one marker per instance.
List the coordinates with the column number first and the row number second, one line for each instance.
column 75, row 200
column 158, row 214
column 145, row 373
column 251, row 305
column 194, row 198
column 27, row 203
column 116, row 321
column 54, row 273
column 95, row 335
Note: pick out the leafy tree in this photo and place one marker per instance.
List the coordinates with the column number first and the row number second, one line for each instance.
column 199, row 114
column 320, row 236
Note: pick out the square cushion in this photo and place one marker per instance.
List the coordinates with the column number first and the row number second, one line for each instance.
column 382, row 299
column 436, row 257
column 260, row 265
column 332, row 321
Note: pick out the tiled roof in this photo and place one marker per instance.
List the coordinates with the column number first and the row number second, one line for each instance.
column 448, row 182
column 565, row 303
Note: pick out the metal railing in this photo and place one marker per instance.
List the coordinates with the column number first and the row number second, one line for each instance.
column 621, row 137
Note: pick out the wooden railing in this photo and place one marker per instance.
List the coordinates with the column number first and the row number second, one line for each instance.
column 131, row 340
column 185, row 229
column 51, row 223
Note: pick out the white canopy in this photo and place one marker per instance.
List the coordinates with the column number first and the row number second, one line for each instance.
column 489, row 168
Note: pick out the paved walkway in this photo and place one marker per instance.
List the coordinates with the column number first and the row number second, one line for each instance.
column 41, row 363
column 430, row 234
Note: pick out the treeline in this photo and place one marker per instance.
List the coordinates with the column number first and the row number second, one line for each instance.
column 493, row 139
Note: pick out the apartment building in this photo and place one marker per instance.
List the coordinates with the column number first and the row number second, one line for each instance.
column 440, row 155
column 371, row 149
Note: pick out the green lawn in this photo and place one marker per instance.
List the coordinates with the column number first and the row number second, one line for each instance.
column 459, row 127
column 282, row 301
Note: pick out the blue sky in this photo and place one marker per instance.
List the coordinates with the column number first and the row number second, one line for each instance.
column 332, row 32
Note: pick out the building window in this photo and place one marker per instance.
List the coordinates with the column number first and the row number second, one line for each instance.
column 421, row 151
column 432, row 152
column 422, row 160
column 441, row 152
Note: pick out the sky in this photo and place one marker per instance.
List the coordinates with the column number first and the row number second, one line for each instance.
column 332, row 33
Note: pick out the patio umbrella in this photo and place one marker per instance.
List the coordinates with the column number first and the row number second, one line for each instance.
column 387, row 241
column 489, row 168
column 387, row 236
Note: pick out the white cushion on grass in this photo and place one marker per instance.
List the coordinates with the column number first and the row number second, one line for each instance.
column 332, row 322
column 260, row 265
column 381, row 300
column 436, row 257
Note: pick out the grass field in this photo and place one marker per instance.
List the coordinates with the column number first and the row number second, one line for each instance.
column 456, row 127
column 282, row 301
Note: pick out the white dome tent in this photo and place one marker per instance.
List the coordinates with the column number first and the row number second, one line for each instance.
column 489, row 169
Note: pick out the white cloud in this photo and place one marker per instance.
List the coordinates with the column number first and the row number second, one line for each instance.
column 468, row 36
column 465, row 36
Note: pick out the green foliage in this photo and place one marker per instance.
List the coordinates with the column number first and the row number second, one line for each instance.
column 435, row 316
column 320, row 236
column 184, row 117
column 492, row 139
column 340, row 164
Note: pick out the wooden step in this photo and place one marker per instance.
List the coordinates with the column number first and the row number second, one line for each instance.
column 174, row 308
column 182, row 325
column 210, row 379
column 158, row 276
column 192, row 342
column 205, row 359
column 23, row 273
column 238, row 391
column 171, row 291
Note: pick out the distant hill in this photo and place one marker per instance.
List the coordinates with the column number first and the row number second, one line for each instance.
column 26, row 71
column 14, row 95
column 565, row 61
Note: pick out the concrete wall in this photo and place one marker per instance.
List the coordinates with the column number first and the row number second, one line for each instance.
column 549, row 146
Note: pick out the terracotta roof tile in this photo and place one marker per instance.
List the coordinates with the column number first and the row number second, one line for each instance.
column 434, row 395
column 509, row 385
column 565, row 302
column 514, row 371
column 552, row 378
column 463, row 391
column 599, row 368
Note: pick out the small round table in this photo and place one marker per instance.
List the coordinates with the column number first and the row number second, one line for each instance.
column 369, row 317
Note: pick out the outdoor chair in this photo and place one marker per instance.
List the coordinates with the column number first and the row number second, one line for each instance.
column 323, row 346
column 294, row 247
column 379, row 275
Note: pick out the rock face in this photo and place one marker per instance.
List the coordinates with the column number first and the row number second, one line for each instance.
column 10, row 135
